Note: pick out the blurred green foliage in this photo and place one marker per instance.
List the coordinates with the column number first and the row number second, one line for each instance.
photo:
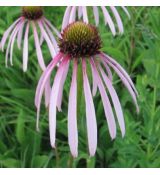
column 138, row 51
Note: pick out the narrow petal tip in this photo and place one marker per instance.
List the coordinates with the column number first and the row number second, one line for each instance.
column 74, row 154
column 53, row 145
column 92, row 153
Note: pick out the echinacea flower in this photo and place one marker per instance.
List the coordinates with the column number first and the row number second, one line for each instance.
column 31, row 16
column 80, row 45
column 72, row 12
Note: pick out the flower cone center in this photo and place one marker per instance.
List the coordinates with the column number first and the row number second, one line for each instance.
column 32, row 12
column 80, row 39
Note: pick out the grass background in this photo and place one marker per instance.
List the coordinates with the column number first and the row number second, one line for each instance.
column 138, row 51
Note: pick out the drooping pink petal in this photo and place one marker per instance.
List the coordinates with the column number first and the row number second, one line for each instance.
column 66, row 17
column 8, row 46
column 126, row 11
column 60, row 93
column 94, row 83
column 108, row 70
column 25, row 49
column 53, row 101
column 106, row 103
column 85, row 15
column 125, row 82
column 108, row 20
column 38, row 48
column 42, row 84
column 118, row 19
column 47, row 92
column 13, row 40
column 41, row 39
column 115, row 101
column 7, row 32
column 79, row 12
column 48, row 41
column 96, row 14
column 90, row 113
column 72, row 14
column 72, row 113
column 52, row 64
column 54, row 42
column 121, row 69
column 20, row 33
column 52, row 27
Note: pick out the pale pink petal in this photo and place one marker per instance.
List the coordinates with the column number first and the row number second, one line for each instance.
column 8, row 48
column 125, row 82
column 25, row 49
column 48, row 41
column 42, row 84
column 52, row 27
column 66, row 17
column 60, row 93
column 96, row 14
column 118, row 19
column 53, row 101
column 47, row 92
column 108, row 70
column 13, row 40
column 79, row 12
column 58, row 57
column 95, row 85
column 121, row 69
column 72, row 114
column 19, row 37
column 115, row 101
column 106, row 103
column 90, row 113
column 85, row 15
column 108, row 20
column 126, row 11
column 38, row 48
column 41, row 39
column 54, row 42
column 7, row 32
column 72, row 14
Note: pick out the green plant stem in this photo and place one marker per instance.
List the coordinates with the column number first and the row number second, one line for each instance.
column 153, row 111
column 79, row 89
column 70, row 161
column 132, row 46
column 57, row 157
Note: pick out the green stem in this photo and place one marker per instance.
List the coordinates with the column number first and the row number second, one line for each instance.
column 57, row 157
column 132, row 44
column 70, row 161
column 79, row 89
column 153, row 111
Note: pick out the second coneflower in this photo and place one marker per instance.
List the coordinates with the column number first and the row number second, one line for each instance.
column 80, row 45
column 31, row 16
column 109, row 13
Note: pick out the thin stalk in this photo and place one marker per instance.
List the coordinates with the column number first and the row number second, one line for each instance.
column 79, row 88
column 57, row 157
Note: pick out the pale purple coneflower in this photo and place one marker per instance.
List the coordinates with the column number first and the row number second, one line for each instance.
column 30, row 17
column 80, row 45
column 80, row 12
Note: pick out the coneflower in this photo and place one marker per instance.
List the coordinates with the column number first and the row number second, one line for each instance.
column 30, row 16
column 80, row 46
column 72, row 12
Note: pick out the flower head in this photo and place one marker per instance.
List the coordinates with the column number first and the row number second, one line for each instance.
column 100, row 64
column 72, row 12
column 30, row 17
column 80, row 39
